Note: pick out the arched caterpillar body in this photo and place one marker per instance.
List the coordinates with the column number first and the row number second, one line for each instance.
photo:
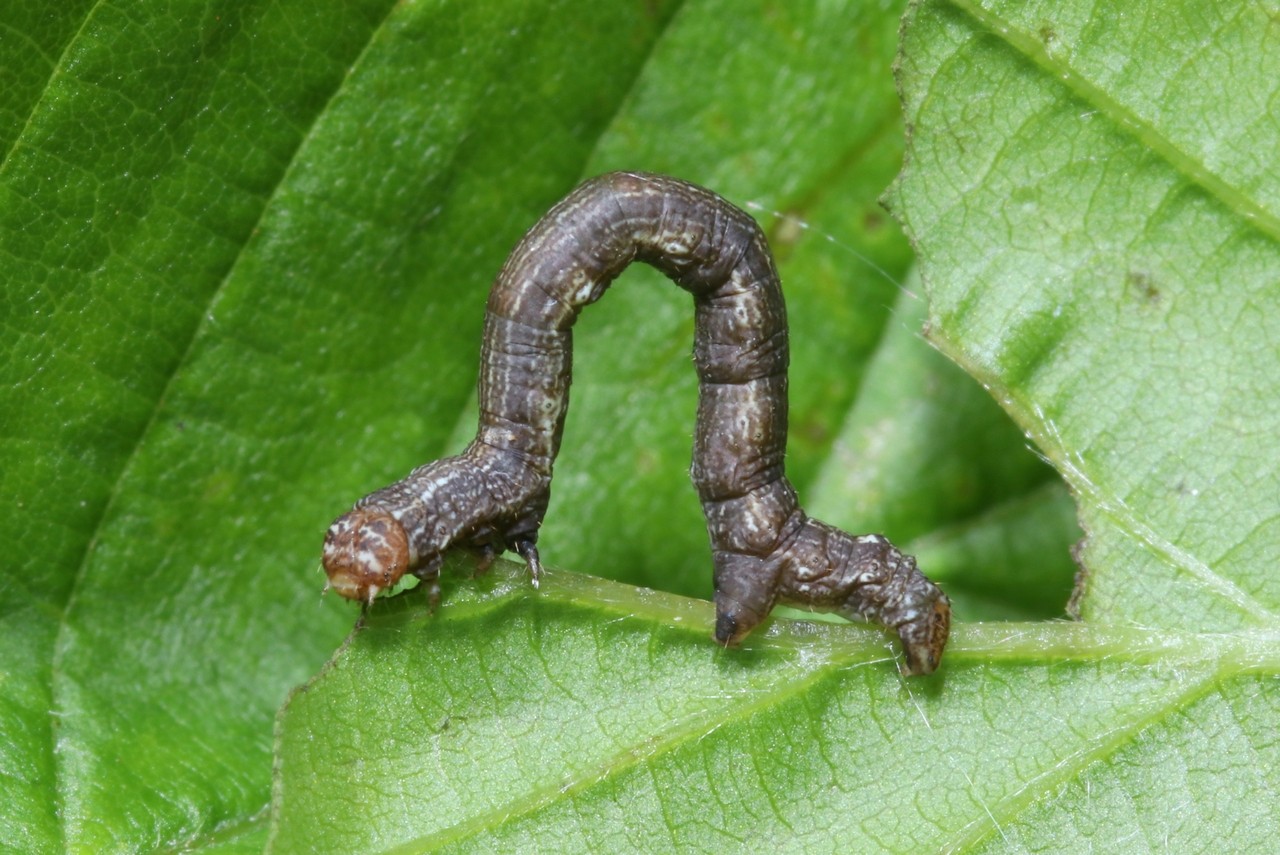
column 493, row 496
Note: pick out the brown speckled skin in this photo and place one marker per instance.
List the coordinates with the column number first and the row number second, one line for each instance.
column 493, row 495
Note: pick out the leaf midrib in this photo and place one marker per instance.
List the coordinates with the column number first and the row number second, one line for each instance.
column 827, row 648
column 60, row 641
column 1251, row 651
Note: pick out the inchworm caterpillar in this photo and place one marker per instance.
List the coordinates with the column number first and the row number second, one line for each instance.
column 493, row 496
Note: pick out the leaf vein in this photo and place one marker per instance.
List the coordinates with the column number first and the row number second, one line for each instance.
column 1070, row 767
column 55, row 68
column 1143, row 130
column 685, row 730
column 61, row 642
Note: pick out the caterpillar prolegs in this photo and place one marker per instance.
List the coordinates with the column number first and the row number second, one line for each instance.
column 493, row 495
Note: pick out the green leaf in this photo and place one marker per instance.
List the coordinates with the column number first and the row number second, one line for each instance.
column 1099, row 237
column 211, row 270
column 591, row 716
column 1105, row 266
column 1129, row 269
column 246, row 248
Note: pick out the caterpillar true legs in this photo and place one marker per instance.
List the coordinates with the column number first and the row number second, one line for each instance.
column 493, row 496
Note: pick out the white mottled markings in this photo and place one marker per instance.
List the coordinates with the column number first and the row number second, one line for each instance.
column 492, row 497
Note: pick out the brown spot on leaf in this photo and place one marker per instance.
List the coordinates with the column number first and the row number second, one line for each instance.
column 1142, row 285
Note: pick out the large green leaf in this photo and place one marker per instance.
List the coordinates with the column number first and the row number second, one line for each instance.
column 246, row 250
column 1100, row 171
column 219, row 303
column 1106, row 267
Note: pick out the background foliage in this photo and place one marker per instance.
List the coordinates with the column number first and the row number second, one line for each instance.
column 246, row 248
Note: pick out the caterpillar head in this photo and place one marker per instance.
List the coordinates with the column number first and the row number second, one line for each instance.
column 366, row 551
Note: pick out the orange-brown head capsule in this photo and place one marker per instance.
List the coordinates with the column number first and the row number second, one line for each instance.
column 366, row 551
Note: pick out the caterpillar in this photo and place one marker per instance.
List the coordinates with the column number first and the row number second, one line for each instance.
column 493, row 496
